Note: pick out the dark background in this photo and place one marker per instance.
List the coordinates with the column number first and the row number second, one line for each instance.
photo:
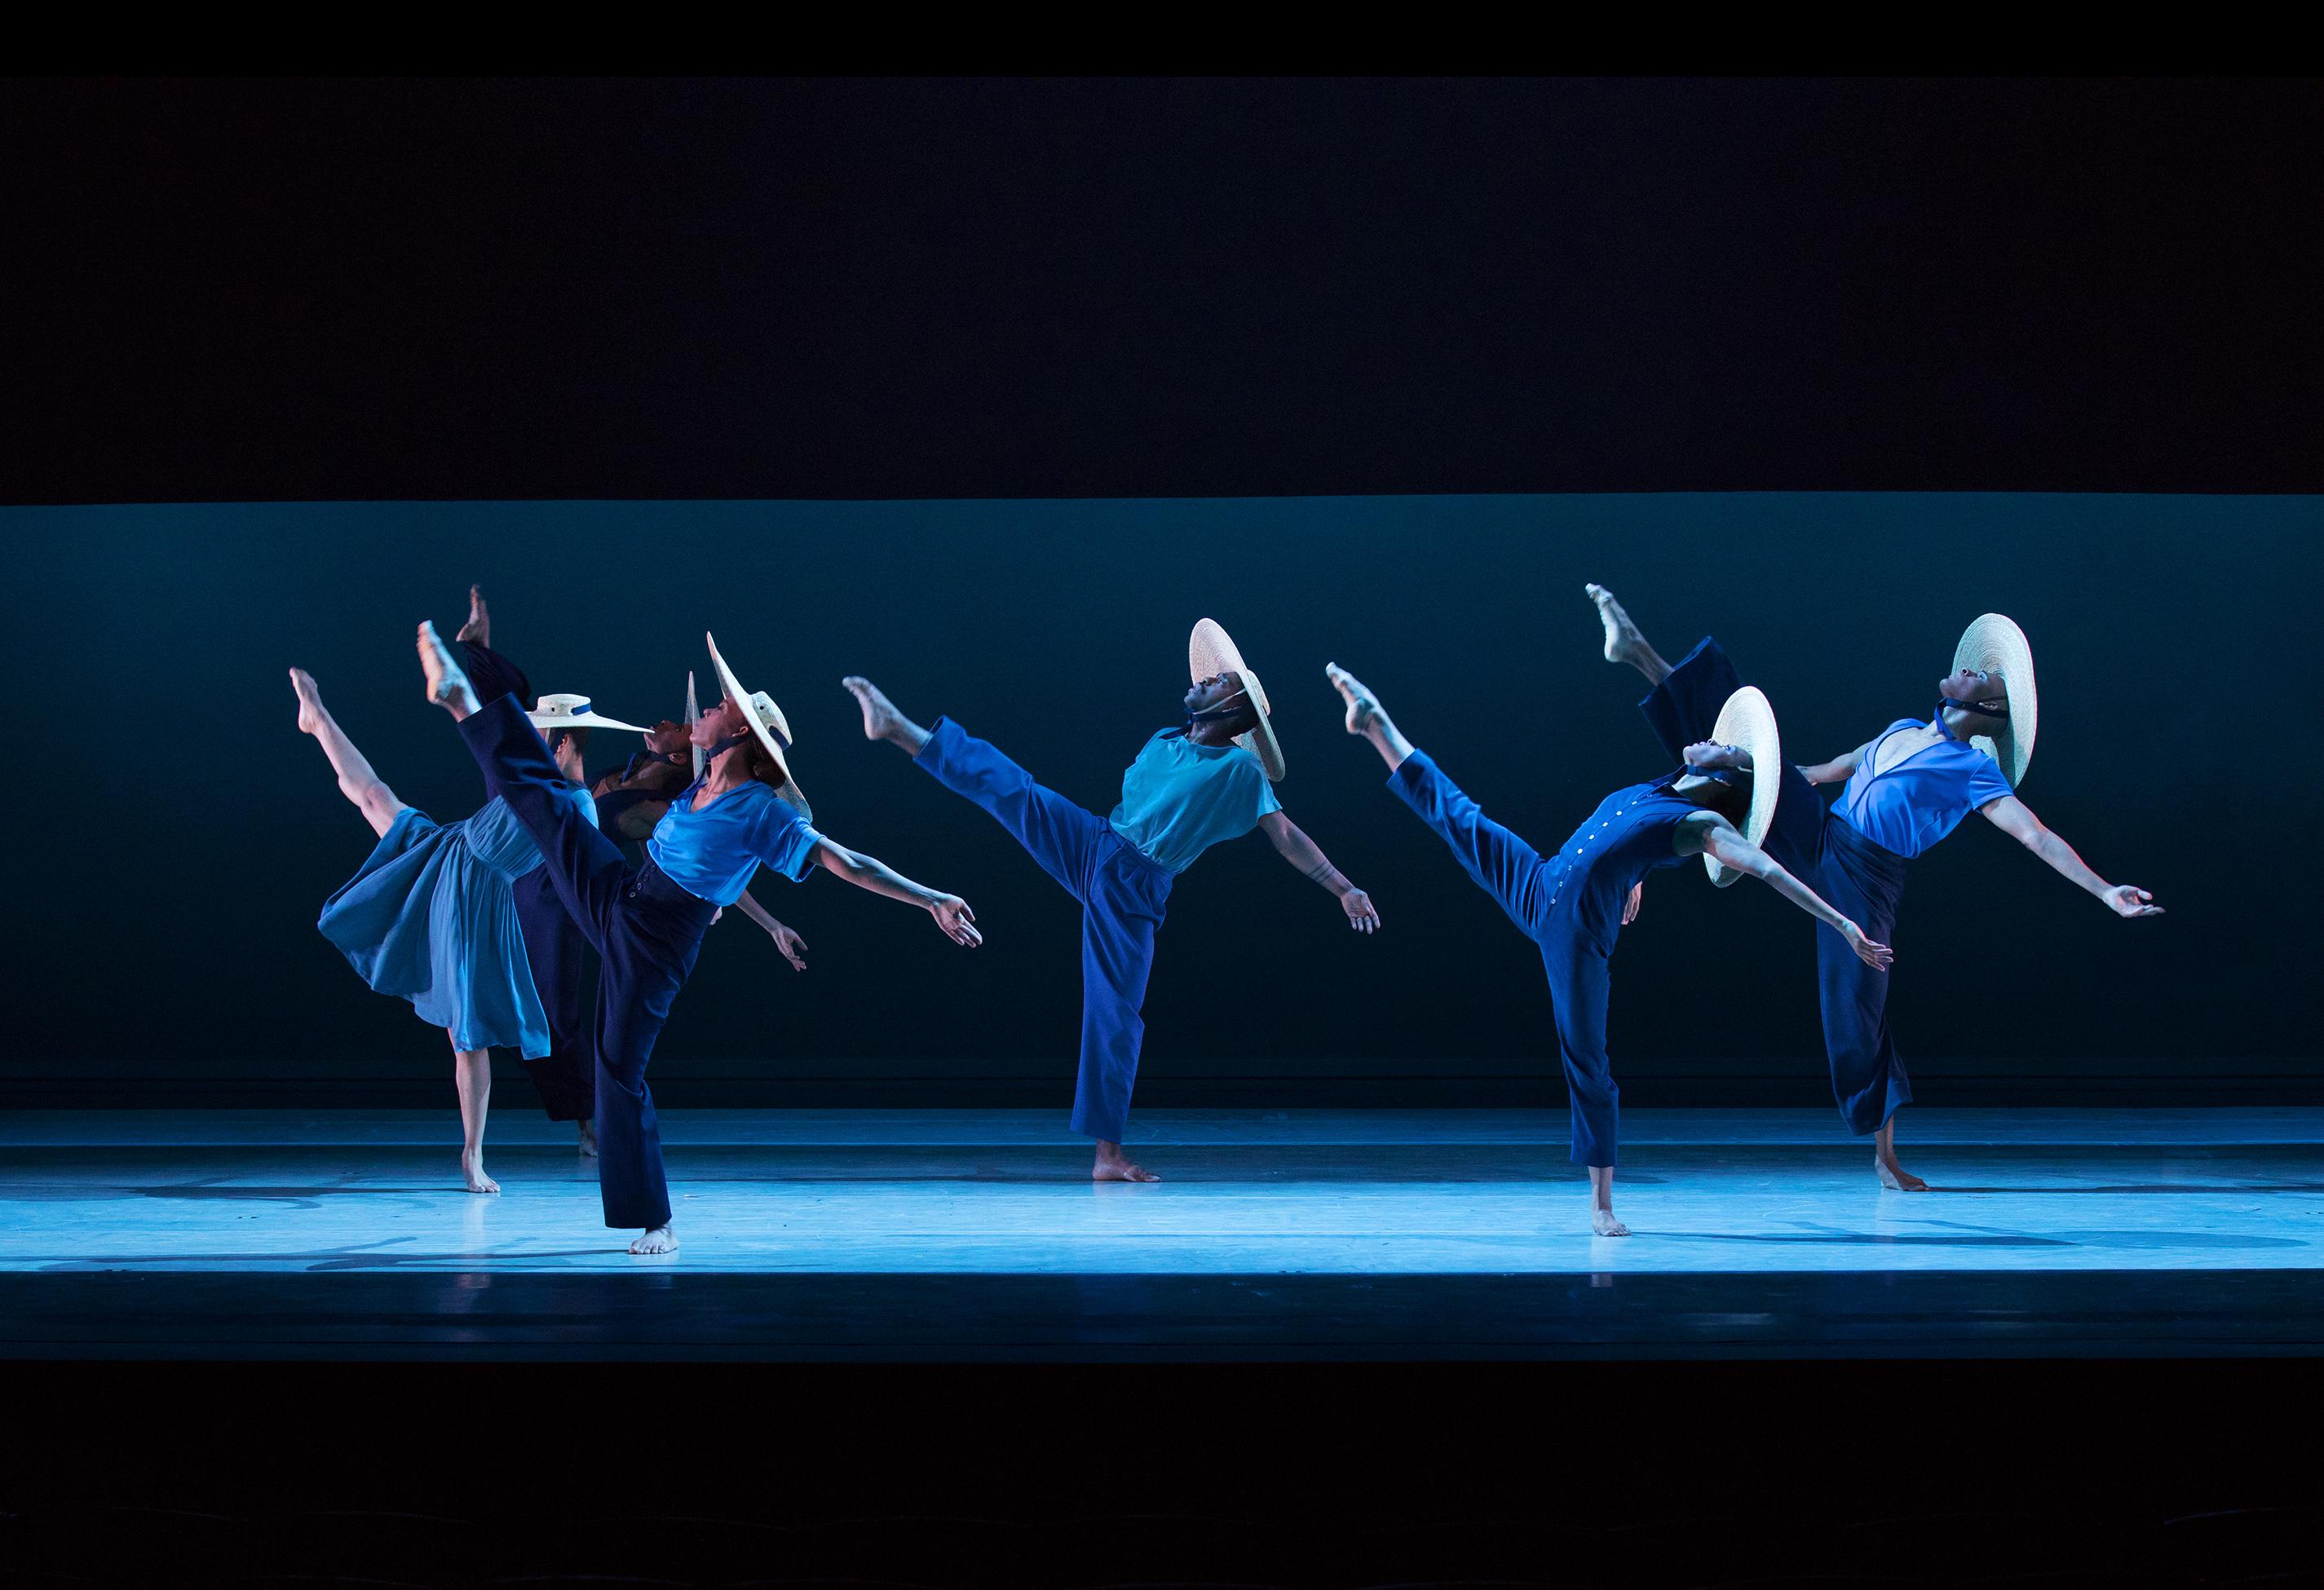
column 185, row 891
column 408, row 292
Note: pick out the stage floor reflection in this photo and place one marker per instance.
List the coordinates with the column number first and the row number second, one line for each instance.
column 897, row 1235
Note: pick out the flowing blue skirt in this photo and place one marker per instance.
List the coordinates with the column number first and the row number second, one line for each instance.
column 428, row 920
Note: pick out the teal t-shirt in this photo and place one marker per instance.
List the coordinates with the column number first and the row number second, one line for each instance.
column 712, row 853
column 1178, row 798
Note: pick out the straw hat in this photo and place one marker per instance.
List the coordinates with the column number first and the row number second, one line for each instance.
column 1748, row 723
column 572, row 712
column 1211, row 650
column 1996, row 646
column 767, row 722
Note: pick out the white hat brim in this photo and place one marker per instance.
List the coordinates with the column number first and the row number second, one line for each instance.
column 1996, row 645
column 1747, row 722
column 766, row 735
column 1211, row 650
column 583, row 720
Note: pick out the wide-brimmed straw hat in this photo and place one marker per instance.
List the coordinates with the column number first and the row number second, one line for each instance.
column 767, row 722
column 1211, row 650
column 1749, row 723
column 572, row 712
column 1996, row 646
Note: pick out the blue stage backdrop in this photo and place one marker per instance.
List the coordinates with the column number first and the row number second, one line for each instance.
column 174, row 847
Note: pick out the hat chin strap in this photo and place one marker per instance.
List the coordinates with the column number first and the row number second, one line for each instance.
column 1221, row 714
column 713, row 753
column 1997, row 710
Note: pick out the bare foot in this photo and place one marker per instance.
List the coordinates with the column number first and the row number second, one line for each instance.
column 881, row 720
column 1113, row 1165
column 472, row 1166
column 661, row 1239
column 479, row 626
column 311, row 701
column 588, row 1140
column 1624, row 643
column 1603, row 1224
column 1895, row 1177
column 447, row 685
column 1363, row 706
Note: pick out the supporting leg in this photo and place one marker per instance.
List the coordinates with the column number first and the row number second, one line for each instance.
column 472, row 1072
column 1602, row 1222
column 357, row 782
column 1117, row 956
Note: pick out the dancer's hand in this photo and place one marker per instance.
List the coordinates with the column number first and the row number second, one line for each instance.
column 1362, row 915
column 1877, row 956
column 2130, row 900
column 958, row 921
column 794, row 948
column 1630, row 906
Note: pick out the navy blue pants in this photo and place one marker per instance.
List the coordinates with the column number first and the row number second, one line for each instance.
column 646, row 930
column 1576, row 950
column 559, row 956
column 1122, row 895
column 554, row 949
column 1859, row 878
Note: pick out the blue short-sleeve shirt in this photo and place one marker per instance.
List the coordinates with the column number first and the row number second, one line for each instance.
column 1922, row 798
column 1178, row 798
column 711, row 853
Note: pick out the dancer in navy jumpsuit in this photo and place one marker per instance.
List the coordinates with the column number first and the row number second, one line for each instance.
column 647, row 925
column 1906, row 790
column 1190, row 788
column 1573, row 903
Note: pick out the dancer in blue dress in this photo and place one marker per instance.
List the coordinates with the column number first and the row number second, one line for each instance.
column 432, row 917
column 1189, row 789
column 1574, row 902
column 647, row 925
column 1907, row 788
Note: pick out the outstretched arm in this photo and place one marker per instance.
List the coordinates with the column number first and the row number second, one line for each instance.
column 1725, row 843
column 792, row 946
column 1295, row 847
column 1838, row 770
column 953, row 916
column 2015, row 818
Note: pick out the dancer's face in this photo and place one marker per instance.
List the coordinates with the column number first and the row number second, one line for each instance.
column 722, row 721
column 667, row 738
column 1220, row 690
column 1967, row 686
column 1709, row 756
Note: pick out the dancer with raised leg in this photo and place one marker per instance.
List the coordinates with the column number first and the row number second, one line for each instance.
column 1190, row 788
column 1574, row 902
column 435, row 915
column 1907, row 788
column 647, row 925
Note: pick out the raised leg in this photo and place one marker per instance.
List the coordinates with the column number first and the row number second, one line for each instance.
column 1500, row 863
column 472, row 1072
column 1366, row 717
column 357, row 782
column 1061, row 836
column 881, row 720
column 1624, row 642
column 584, row 867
